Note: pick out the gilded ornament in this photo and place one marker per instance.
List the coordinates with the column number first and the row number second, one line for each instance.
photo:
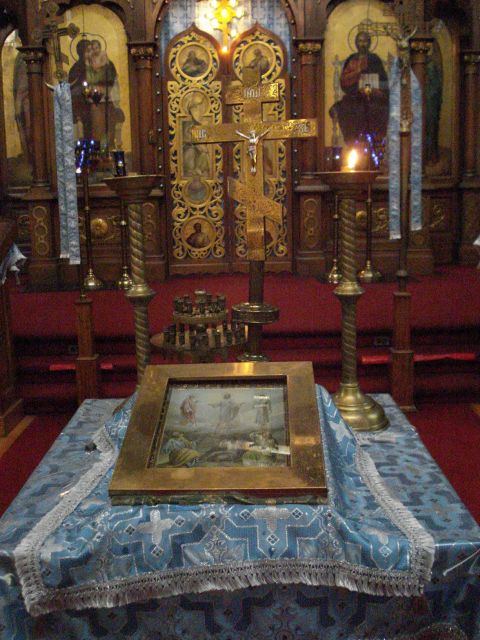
column 99, row 228
column 438, row 217
column 32, row 55
column 310, row 48
column 311, row 225
column 143, row 51
column 418, row 239
column 40, row 231
column 380, row 220
column 471, row 58
column 421, row 46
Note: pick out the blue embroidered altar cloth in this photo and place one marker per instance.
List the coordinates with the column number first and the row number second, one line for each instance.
column 406, row 468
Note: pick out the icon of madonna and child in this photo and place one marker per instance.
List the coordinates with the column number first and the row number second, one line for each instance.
column 96, row 95
column 224, row 426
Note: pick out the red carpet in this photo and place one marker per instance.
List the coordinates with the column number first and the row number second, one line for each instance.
column 451, row 432
column 449, row 298
column 17, row 464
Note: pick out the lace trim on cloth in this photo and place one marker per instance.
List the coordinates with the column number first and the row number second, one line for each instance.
column 422, row 544
column 39, row 599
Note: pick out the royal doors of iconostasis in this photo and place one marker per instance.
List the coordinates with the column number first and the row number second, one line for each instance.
column 206, row 229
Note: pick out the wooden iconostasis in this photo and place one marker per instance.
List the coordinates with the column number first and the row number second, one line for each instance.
column 143, row 94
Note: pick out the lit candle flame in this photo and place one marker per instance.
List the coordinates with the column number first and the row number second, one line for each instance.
column 352, row 159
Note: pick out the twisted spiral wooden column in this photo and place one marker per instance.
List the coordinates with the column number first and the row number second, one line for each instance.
column 348, row 291
column 133, row 191
column 140, row 293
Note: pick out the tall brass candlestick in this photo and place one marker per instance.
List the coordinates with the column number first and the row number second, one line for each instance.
column 368, row 273
column 360, row 411
column 125, row 281
column 334, row 275
column 134, row 190
column 90, row 282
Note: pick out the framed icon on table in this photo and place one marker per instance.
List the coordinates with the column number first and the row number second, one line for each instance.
column 233, row 431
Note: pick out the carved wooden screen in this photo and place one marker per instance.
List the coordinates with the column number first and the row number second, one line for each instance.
column 194, row 96
column 206, row 230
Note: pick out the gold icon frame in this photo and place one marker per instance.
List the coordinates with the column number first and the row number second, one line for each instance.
column 303, row 479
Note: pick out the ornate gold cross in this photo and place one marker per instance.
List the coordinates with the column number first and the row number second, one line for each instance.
column 253, row 131
column 52, row 31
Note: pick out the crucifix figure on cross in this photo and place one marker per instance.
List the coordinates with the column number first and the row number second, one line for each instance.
column 253, row 140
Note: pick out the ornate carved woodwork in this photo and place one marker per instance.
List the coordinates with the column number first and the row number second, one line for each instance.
column 304, row 242
column 194, row 96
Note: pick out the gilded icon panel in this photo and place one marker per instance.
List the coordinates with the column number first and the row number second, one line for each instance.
column 194, row 97
column 16, row 109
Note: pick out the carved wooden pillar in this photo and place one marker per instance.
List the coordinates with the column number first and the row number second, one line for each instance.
column 143, row 54
column 43, row 262
column 310, row 258
column 34, row 57
column 470, row 184
column 471, row 66
column 420, row 47
column 11, row 407
column 420, row 256
column 311, row 87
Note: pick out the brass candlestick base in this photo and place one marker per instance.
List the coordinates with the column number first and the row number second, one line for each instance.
column 254, row 315
column 360, row 411
column 91, row 282
column 369, row 274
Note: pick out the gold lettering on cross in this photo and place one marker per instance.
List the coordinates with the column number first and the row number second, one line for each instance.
column 254, row 131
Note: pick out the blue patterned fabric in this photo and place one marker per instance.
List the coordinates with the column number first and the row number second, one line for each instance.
column 450, row 602
column 66, row 177
column 88, row 553
column 12, row 262
column 394, row 152
column 416, row 154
